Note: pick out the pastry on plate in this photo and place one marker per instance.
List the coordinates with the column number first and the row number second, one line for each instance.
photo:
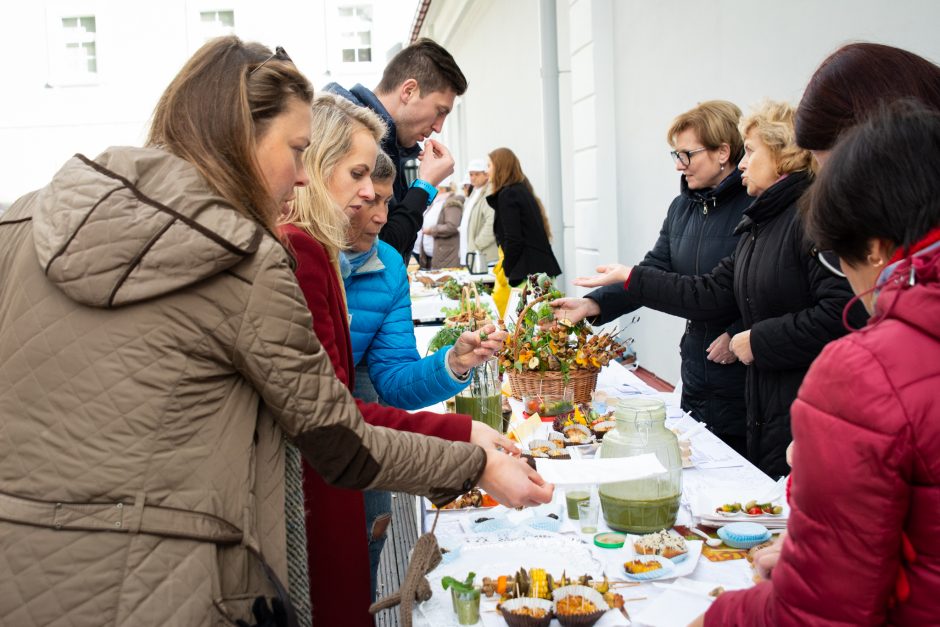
column 666, row 543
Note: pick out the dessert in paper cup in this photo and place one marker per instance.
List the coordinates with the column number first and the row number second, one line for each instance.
column 527, row 612
column 578, row 606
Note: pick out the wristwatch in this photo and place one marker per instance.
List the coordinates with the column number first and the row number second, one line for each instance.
column 430, row 189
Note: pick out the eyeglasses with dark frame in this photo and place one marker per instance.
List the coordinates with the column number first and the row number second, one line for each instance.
column 684, row 156
column 279, row 53
column 828, row 260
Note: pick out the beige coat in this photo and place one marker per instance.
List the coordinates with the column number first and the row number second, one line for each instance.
column 446, row 235
column 154, row 346
column 480, row 235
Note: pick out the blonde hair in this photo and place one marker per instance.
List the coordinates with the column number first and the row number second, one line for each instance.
column 715, row 122
column 335, row 121
column 774, row 123
column 508, row 171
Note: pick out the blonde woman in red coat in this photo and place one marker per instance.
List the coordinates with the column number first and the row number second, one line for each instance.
column 339, row 162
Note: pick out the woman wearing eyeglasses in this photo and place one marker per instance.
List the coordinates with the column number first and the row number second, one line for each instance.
column 790, row 306
column 155, row 354
column 697, row 233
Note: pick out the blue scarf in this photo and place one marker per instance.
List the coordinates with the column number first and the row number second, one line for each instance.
column 350, row 261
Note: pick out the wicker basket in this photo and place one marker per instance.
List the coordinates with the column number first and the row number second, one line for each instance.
column 552, row 382
column 534, row 383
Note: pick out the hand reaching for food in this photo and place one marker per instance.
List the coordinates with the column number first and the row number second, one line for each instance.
column 606, row 275
column 513, row 482
column 473, row 348
column 489, row 438
column 574, row 309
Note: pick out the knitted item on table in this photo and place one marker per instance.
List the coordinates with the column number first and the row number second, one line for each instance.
column 298, row 578
column 425, row 557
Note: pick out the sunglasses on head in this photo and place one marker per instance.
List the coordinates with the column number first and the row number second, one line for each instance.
column 279, row 53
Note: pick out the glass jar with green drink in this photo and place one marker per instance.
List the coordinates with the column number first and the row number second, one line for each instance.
column 482, row 400
column 649, row 504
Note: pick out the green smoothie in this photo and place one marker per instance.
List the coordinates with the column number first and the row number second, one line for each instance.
column 639, row 516
column 488, row 409
column 467, row 606
column 572, row 499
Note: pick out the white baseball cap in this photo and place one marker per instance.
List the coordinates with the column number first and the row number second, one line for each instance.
column 477, row 165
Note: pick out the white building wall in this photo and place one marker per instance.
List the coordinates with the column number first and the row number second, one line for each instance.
column 668, row 56
column 626, row 69
column 496, row 45
column 141, row 45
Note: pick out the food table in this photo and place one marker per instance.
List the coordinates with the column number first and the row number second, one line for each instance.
column 428, row 303
column 527, row 538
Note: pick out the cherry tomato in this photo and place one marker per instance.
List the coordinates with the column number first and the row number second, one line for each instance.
column 755, row 510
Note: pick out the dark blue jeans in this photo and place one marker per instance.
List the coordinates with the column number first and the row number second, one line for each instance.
column 378, row 502
column 378, row 517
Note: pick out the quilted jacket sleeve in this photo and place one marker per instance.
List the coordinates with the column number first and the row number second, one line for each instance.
column 794, row 340
column 702, row 297
column 278, row 353
column 850, row 493
column 615, row 301
column 400, row 376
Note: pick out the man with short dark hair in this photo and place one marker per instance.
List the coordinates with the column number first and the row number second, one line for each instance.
column 416, row 93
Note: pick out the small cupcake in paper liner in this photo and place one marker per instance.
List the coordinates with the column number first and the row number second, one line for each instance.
column 527, row 612
column 578, row 606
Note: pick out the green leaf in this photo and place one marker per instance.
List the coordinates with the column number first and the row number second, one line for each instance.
column 465, row 586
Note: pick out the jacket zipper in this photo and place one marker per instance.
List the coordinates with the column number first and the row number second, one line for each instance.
column 701, row 233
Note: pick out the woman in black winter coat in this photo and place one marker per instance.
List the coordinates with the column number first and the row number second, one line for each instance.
column 790, row 306
column 520, row 224
column 697, row 233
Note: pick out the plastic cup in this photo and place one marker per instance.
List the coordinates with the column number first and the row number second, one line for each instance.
column 575, row 495
column 587, row 516
column 467, row 606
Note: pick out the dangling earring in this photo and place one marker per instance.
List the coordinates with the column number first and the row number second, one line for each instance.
column 722, row 168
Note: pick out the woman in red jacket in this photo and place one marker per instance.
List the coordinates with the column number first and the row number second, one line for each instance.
column 865, row 492
column 338, row 162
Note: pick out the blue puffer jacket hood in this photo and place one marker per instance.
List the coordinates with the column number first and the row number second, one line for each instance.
column 383, row 336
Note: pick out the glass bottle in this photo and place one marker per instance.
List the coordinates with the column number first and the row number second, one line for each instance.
column 482, row 399
column 652, row 503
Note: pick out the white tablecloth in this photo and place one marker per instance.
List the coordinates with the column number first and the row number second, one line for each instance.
column 722, row 470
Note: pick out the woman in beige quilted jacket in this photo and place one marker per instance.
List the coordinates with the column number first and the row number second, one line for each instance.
column 155, row 353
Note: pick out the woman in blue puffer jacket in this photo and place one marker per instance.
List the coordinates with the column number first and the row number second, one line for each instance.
column 389, row 368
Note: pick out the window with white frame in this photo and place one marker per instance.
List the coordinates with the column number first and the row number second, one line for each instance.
column 355, row 28
column 79, row 52
column 217, row 23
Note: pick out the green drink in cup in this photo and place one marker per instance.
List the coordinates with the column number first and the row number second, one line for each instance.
column 573, row 496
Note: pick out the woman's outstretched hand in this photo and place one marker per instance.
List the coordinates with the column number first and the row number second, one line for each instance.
column 606, row 275
column 574, row 309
